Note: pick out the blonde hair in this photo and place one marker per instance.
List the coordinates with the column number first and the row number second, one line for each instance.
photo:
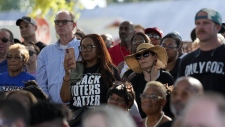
column 160, row 87
column 23, row 50
column 221, row 38
column 195, row 44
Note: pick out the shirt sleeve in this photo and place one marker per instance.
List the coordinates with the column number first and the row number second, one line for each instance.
column 41, row 76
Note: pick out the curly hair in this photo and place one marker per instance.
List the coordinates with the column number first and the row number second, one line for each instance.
column 124, row 90
column 23, row 50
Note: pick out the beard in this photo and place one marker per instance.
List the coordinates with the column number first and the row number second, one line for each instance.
column 176, row 108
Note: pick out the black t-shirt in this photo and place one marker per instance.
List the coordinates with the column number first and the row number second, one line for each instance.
column 206, row 66
column 40, row 45
column 91, row 90
column 139, row 83
column 166, row 124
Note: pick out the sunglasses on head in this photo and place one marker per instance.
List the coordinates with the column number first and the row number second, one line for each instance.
column 126, row 85
column 144, row 54
column 4, row 40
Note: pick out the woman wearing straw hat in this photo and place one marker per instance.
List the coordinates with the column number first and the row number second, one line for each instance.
column 148, row 63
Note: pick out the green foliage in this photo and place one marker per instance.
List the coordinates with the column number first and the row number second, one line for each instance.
column 42, row 8
column 48, row 8
column 7, row 5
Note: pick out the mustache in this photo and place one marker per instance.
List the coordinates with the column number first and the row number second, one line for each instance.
column 201, row 31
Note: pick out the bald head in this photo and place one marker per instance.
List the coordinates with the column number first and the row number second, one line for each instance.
column 128, row 23
column 126, row 32
column 205, row 111
column 193, row 85
column 72, row 16
column 184, row 89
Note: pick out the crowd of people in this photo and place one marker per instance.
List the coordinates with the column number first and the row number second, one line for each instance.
column 146, row 80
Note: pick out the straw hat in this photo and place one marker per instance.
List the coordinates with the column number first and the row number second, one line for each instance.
column 161, row 57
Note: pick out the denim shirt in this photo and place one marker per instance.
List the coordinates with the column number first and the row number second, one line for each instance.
column 50, row 69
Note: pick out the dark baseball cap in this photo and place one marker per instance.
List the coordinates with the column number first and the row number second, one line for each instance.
column 27, row 20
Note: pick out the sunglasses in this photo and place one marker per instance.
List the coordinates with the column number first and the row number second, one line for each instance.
column 126, row 85
column 154, row 36
column 144, row 54
column 138, row 42
column 4, row 40
column 64, row 22
column 31, row 53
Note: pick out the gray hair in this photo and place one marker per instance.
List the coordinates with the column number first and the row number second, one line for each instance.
column 11, row 37
column 72, row 16
column 161, row 88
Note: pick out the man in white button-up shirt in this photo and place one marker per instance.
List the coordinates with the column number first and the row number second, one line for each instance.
column 50, row 69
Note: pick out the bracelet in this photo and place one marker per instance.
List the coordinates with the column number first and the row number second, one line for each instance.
column 65, row 80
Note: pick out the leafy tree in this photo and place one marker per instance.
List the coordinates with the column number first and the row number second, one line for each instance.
column 7, row 5
column 48, row 8
column 41, row 8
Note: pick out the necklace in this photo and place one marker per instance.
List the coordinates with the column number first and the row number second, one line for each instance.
column 160, row 119
column 121, row 51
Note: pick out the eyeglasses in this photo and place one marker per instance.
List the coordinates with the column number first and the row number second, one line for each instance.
column 144, row 54
column 169, row 46
column 150, row 97
column 64, row 22
column 120, row 101
column 14, row 57
column 154, row 36
column 31, row 53
column 4, row 40
column 89, row 48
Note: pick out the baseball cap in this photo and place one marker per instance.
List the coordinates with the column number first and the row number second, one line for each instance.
column 174, row 34
column 27, row 20
column 211, row 15
column 154, row 29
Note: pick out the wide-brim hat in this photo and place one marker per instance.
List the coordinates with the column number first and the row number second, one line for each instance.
column 161, row 57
